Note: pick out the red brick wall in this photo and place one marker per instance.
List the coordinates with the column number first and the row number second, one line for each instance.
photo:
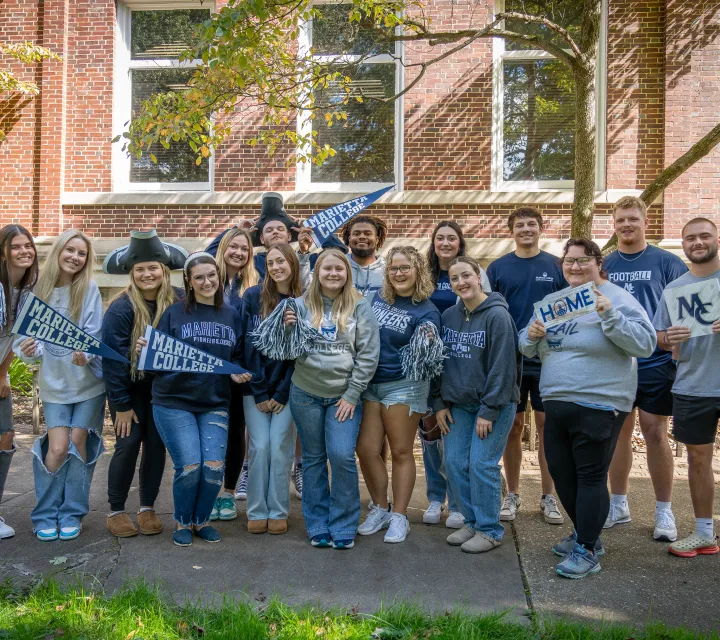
column 692, row 87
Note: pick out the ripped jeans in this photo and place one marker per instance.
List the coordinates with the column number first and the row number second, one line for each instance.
column 194, row 440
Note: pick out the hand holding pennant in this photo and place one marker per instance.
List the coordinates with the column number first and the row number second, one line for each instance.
column 162, row 352
column 328, row 221
column 39, row 320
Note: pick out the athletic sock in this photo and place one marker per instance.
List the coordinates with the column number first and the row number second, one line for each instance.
column 225, row 494
column 662, row 506
column 298, row 461
column 704, row 528
column 619, row 500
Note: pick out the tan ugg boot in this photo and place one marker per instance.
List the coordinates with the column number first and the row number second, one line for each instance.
column 121, row 526
column 257, row 526
column 149, row 523
column 277, row 527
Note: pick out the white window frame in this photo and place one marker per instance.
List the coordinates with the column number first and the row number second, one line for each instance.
column 303, row 178
column 500, row 55
column 122, row 94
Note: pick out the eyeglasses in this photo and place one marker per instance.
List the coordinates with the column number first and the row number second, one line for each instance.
column 404, row 269
column 583, row 262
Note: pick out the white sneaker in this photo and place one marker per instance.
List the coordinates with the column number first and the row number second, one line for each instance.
column 241, row 490
column 510, row 507
column 550, row 511
column 6, row 531
column 434, row 512
column 617, row 515
column 377, row 519
column 455, row 520
column 399, row 528
column 665, row 528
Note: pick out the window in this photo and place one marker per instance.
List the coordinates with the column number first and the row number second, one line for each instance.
column 151, row 38
column 534, row 103
column 368, row 145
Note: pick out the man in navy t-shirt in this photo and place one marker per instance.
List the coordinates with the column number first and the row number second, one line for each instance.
column 525, row 277
column 644, row 271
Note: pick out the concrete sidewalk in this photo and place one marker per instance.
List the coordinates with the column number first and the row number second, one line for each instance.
column 423, row 570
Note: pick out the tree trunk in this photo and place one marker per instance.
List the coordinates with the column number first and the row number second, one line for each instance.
column 585, row 153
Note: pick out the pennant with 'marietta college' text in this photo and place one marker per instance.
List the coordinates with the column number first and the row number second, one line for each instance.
column 37, row 319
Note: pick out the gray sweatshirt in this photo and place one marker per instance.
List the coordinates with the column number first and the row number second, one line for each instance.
column 345, row 361
column 593, row 359
column 368, row 280
column 60, row 380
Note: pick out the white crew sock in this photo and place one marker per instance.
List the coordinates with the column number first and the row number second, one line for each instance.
column 225, row 494
column 619, row 500
column 662, row 506
column 704, row 528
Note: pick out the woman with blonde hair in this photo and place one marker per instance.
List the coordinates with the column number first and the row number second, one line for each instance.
column 397, row 396
column 71, row 389
column 148, row 262
column 325, row 394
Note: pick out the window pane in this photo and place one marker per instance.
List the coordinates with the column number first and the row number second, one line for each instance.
column 176, row 164
column 163, row 34
column 333, row 34
column 566, row 13
column 539, row 119
column 365, row 143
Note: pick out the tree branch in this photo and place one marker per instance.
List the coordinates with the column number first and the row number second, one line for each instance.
column 560, row 53
column 562, row 32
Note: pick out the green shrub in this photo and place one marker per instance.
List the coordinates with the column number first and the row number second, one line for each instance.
column 20, row 377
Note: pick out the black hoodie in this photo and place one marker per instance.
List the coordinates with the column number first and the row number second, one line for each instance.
column 483, row 365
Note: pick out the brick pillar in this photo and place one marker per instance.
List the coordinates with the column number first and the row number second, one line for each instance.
column 50, row 109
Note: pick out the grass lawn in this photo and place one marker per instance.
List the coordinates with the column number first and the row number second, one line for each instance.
column 141, row 612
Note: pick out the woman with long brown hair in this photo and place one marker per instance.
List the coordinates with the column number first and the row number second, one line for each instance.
column 18, row 273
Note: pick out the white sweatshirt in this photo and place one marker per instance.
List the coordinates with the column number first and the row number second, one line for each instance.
column 60, row 380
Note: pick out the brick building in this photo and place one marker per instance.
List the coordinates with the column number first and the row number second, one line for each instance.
column 464, row 144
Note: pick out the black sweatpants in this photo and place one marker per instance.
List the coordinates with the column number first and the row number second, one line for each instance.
column 579, row 446
column 127, row 449
column 235, row 452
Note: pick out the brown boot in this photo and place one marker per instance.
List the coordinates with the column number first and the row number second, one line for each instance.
column 149, row 523
column 257, row 526
column 121, row 526
column 277, row 527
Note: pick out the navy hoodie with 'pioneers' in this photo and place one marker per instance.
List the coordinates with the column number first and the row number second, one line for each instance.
column 483, row 366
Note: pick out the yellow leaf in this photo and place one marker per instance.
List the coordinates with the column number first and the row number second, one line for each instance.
column 205, row 151
column 198, row 161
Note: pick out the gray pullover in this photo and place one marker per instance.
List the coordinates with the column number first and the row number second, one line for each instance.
column 368, row 280
column 345, row 361
column 593, row 359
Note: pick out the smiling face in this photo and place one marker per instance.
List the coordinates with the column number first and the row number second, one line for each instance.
column 147, row 276
column 447, row 243
column 578, row 268
column 278, row 267
column 363, row 240
column 700, row 242
column 204, row 281
column 237, row 253
column 526, row 232
column 465, row 282
column 73, row 257
column 402, row 275
column 21, row 252
column 630, row 225
column 273, row 233
column 332, row 275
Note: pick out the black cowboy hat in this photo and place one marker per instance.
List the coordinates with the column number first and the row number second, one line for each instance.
column 145, row 246
column 272, row 210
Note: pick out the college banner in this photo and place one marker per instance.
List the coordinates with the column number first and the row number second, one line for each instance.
column 165, row 353
column 566, row 305
column 695, row 306
column 38, row 320
column 328, row 221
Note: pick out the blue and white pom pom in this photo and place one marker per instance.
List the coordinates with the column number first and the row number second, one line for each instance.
column 278, row 342
column 422, row 358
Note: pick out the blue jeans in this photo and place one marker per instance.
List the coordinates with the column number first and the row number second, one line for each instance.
column 270, row 456
column 193, row 440
column 472, row 467
column 327, row 509
column 436, row 485
column 63, row 497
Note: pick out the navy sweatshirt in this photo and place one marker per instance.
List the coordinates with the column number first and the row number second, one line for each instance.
column 483, row 365
column 397, row 324
column 271, row 379
column 117, row 329
column 218, row 332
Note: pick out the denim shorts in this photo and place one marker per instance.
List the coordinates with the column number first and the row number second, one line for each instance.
column 88, row 414
column 6, row 421
column 413, row 393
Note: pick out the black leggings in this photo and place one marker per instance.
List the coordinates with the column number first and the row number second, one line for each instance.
column 124, row 459
column 236, row 439
column 579, row 446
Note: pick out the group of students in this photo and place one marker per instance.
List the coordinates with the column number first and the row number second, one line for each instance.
column 357, row 353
